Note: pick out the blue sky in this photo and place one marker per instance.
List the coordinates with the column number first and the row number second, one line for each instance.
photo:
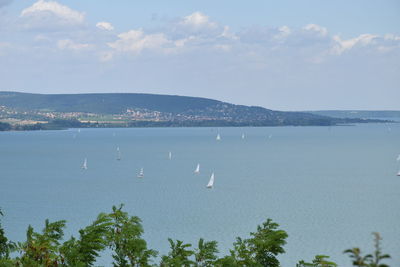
column 288, row 55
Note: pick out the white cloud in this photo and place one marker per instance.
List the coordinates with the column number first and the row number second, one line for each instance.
column 136, row 41
column 284, row 32
column 47, row 13
column 103, row 25
column 392, row 37
column 226, row 33
column 198, row 20
column 343, row 45
column 317, row 29
column 68, row 44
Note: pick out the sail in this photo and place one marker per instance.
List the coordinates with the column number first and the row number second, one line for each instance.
column 211, row 182
column 243, row 136
column 141, row 173
column 398, row 158
column 118, row 153
column 197, row 170
column 84, row 166
column 170, row 155
column 218, row 137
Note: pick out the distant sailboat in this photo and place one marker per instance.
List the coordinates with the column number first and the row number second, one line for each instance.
column 118, row 153
column 79, row 130
column 218, row 137
column 84, row 165
column 170, row 155
column 211, row 182
column 141, row 173
column 398, row 158
column 243, row 136
column 398, row 174
column 197, row 170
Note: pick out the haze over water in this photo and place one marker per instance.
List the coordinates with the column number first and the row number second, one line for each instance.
column 328, row 187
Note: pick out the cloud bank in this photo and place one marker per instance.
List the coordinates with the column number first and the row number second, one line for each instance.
column 196, row 55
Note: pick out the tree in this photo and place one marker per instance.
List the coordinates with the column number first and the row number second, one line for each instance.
column 260, row 249
column 318, row 261
column 125, row 240
column 178, row 256
column 42, row 249
column 205, row 254
column 267, row 243
column 369, row 260
column 92, row 240
column 6, row 247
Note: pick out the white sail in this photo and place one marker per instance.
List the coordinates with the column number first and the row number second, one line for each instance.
column 197, row 170
column 118, row 153
column 170, row 155
column 218, row 137
column 398, row 158
column 243, row 136
column 211, row 182
column 141, row 173
column 84, row 165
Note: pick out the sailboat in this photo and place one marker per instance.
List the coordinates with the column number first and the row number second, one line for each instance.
column 243, row 136
column 197, row 170
column 118, row 153
column 218, row 137
column 398, row 158
column 211, row 182
column 141, row 173
column 398, row 174
column 170, row 155
column 84, row 165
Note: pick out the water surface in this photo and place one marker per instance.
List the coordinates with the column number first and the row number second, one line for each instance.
column 328, row 187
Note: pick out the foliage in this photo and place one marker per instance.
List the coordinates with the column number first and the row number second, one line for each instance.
column 261, row 248
column 5, row 126
column 369, row 260
column 92, row 240
column 179, row 254
column 123, row 235
column 6, row 247
column 206, row 253
column 125, row 240
column 318, row 261
column 42, row 249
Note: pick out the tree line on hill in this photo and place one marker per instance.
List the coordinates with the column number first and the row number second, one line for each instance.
column 122, row 234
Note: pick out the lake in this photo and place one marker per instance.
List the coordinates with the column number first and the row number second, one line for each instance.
column 328, row 187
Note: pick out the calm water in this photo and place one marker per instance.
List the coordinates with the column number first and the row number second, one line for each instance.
column 329, row 188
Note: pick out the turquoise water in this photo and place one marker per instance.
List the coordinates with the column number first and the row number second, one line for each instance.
column 328, row 187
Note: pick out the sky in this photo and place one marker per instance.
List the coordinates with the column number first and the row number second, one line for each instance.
column 284, row 55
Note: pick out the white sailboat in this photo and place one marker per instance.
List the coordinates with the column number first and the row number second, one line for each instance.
column 118, row 153
column 398, row 174
column 398, row 158
column 218, row 137
column 170, row 155
column 84, row 165
column 211, row 182
column 141, row 173
column 197, row 170
column 243, row 136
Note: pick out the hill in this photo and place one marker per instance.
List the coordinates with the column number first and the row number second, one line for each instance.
column 132, row 109
column 367, row 114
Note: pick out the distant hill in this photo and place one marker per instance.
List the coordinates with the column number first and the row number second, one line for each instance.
column 165, row 110
column 363, row 114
